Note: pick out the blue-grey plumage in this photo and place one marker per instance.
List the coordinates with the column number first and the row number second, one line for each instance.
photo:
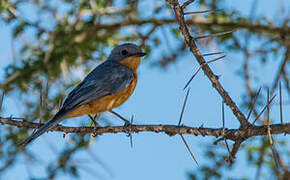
column 109, row 77
column 107, row 86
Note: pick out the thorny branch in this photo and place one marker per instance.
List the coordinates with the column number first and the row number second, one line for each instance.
column 245, row 125
column 190, row 41
column 234, row 151
column 232, row 134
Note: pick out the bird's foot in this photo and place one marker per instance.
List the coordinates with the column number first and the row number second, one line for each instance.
column 96, row 125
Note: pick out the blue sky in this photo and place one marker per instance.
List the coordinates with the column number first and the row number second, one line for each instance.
column 157, row 100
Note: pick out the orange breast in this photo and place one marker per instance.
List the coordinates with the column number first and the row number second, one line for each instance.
column 111, row 101
column 105, row 103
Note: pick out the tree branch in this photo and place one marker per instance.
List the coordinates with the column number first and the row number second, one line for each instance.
column 281, row 69
column 206, row 69
column 234, row 151
column 197, row 22
column 232, row 134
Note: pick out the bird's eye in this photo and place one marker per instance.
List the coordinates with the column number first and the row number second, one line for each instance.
column 124, row 52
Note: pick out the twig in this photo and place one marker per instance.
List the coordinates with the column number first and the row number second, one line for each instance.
column 234, row 151
column 268, row 116
column 276, row 156
column 121, row 117
column 183, row 107
column 185, row 4
column 255, row 100
column 281, row 69
column 229, row 151
column 130, row 131
column 198, row 69
column 200, row 12
column 180, row 119
column 264, row 109
column 216, row 53
column 280, row 94
column 218, row 140
column 197, row 22
column 191, row 154
column 213, row 35
column 274, row 152
column 223, row 115
column 1, row 102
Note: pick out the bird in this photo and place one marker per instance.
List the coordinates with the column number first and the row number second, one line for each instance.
column 106, row 87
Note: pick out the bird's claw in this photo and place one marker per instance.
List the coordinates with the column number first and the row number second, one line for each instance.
column 95, row 123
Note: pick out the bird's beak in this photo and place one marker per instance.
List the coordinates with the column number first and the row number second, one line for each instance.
column 140, row 54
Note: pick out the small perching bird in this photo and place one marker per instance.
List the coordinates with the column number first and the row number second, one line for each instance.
column 108, row 86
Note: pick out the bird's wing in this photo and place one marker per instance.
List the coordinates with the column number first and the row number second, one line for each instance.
column 108, row 78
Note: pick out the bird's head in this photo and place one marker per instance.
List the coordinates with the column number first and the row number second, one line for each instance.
column 124, row 51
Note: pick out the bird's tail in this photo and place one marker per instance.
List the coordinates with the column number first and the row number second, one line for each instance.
column 50, row 124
